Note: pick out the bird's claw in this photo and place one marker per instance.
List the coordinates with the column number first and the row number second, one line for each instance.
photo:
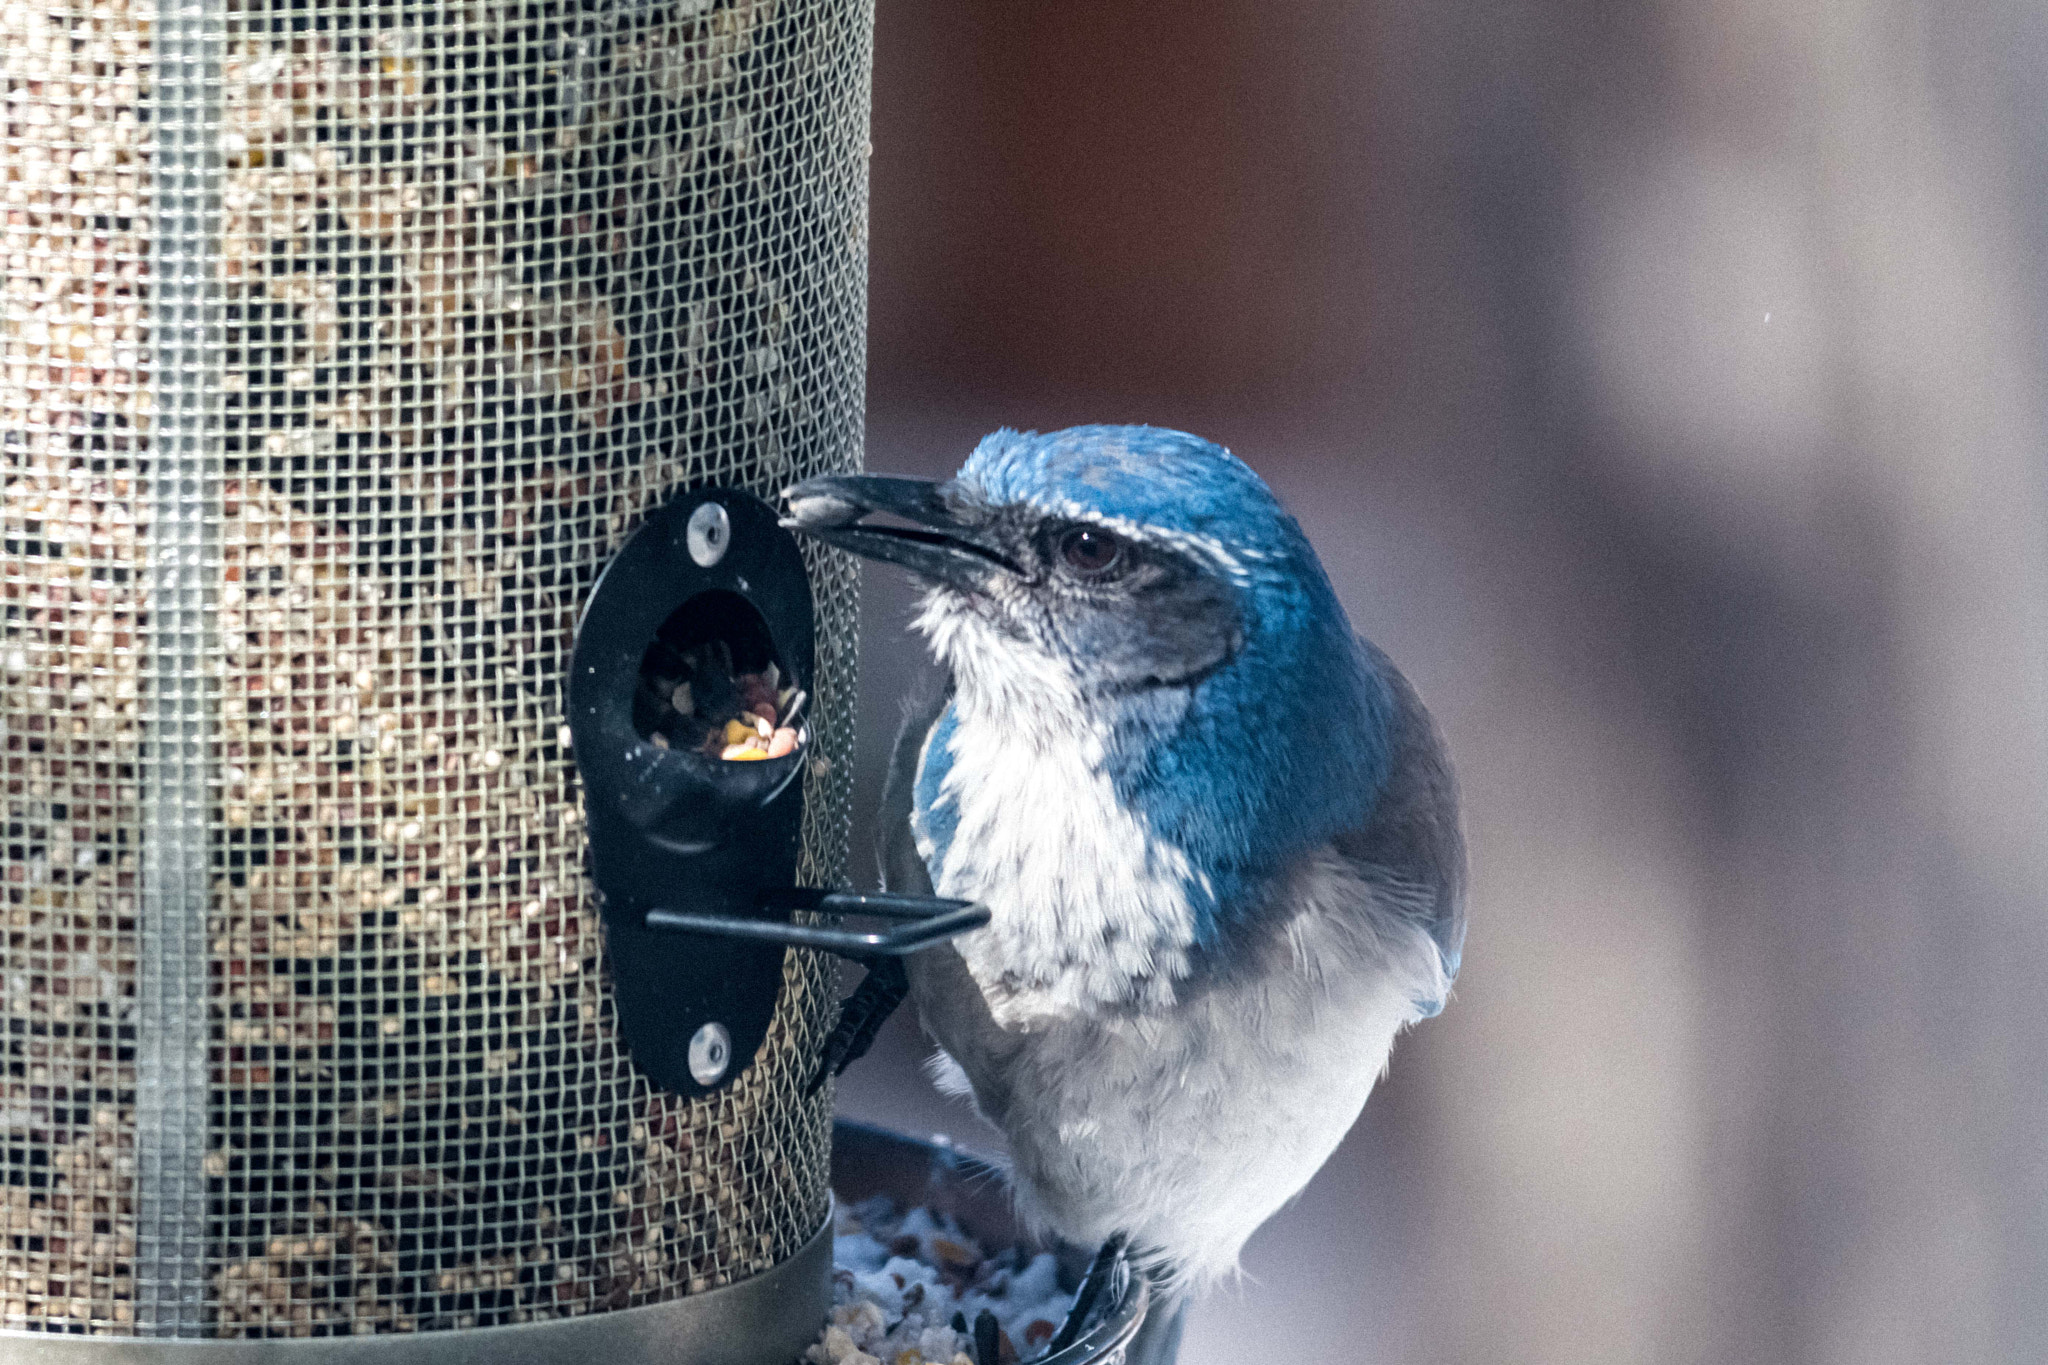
column 987, row 1338
column 861, row 1017
column 1089, row 1294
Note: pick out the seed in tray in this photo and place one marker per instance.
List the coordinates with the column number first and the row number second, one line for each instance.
column 906, row 1285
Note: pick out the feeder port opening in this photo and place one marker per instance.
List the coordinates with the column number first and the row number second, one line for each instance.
column 713, row 682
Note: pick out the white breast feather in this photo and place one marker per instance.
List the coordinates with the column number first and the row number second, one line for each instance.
column 1187, row 1128
column 1087, row 906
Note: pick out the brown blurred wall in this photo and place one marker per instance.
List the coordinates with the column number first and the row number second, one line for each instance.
column 1144, row 201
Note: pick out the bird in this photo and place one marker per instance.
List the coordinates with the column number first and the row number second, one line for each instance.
column 1216, row 830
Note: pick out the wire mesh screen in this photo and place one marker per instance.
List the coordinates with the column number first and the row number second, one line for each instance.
column 343, row 343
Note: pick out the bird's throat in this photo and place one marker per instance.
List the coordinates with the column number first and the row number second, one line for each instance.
column 1088, row 907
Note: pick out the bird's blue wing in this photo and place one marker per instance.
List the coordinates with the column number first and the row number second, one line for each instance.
column 903, row 868
column 1411, row 841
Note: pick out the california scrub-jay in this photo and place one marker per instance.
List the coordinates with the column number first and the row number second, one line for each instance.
column 1216, row 830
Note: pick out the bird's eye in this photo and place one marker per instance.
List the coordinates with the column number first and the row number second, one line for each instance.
column 1090, row 552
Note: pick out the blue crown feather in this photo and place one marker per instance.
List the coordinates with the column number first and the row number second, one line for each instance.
column 1283, row 746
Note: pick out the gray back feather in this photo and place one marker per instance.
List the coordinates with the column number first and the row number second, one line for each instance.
column 1413, row 836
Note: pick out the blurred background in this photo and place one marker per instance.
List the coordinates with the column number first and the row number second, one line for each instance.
column 1662, row 383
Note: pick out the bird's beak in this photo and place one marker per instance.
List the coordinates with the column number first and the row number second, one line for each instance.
column 938, row 544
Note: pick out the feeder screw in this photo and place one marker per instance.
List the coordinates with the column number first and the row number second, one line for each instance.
column 708, row 534
column 710, row 1053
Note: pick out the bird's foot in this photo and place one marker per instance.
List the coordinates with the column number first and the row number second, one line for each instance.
column 988, row 1338
column 861, row 1017
column 1093, row 1285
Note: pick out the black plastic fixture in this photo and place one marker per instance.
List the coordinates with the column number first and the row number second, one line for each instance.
column 694, row 854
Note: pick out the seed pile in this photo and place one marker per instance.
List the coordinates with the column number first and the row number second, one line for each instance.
column 493, row 279
column 907, row 1287
column 697, row 701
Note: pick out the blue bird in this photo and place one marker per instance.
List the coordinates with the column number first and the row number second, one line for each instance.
column 1216, row 830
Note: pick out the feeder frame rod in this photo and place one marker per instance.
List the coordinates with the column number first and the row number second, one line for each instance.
column 178, row 778
column 929, row 920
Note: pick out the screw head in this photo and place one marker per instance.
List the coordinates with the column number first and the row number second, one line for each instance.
column 710, row 1053
column 708, row 534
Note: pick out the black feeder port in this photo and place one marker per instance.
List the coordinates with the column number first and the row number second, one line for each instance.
column 700, row 626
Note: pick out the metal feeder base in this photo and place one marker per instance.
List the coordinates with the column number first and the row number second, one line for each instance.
column 773, row 1315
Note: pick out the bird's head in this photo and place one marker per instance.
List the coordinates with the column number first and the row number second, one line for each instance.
column 1141, row 592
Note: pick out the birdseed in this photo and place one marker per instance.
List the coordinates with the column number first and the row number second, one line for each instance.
column 697, row 701
column 908, row 1286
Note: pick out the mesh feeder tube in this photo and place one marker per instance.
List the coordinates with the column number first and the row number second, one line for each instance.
column 342, row 346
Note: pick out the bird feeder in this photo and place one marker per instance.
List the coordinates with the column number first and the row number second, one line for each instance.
column 344, row 345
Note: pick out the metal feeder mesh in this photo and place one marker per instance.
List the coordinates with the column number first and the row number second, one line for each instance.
column 343, row 343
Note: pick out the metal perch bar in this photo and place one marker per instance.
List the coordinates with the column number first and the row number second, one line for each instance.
column 927, row 920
